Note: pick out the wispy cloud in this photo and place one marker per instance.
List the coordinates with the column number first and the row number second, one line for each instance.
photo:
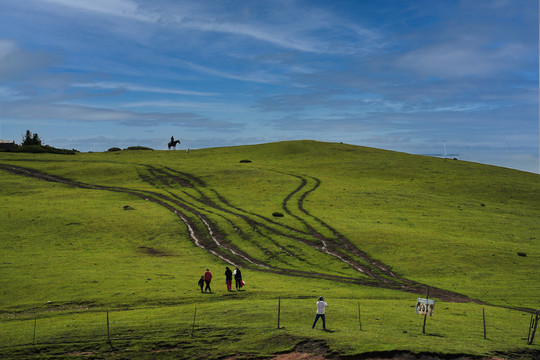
column 117, row 8
column 463, row 59
column 168, row 105
column 141, row 88
column 258, row 77
column 43, row 112
column 279, row 25
column 272, row 35
column 290, row 32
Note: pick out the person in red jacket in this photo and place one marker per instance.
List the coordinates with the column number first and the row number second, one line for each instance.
column 207, row 280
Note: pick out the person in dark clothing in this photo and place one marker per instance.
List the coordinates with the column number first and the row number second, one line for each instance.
column 201, row 283
column 228, row 278
column 207, row 280
column 238, row 278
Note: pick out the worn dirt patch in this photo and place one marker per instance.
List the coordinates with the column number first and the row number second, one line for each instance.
column 298, row 356
column 307, row 356
column 307, row 350
column 153, row 252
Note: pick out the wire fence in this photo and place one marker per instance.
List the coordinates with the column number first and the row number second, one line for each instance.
column 102, row 325
column 173, row 323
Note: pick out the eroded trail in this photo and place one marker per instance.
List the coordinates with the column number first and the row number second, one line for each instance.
column 200, row 207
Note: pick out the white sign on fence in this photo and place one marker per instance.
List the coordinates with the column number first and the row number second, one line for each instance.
column 425, row 305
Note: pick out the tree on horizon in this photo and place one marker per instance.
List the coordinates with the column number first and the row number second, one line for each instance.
column 30, row 139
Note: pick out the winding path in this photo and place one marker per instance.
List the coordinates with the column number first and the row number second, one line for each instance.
column 199, row 206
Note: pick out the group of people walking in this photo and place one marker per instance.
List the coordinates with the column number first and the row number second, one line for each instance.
column 237, row 275
column 206, row 279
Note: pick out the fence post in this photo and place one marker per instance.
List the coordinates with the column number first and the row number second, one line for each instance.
column 536, row 318
column 35, row 324
column 108, row 330
column 484, row 317
column 193, row 325
column 359, row 317
column 427, row 310
column 531, row 325
column 278, row 311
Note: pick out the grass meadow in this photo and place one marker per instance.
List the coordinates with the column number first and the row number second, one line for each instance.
column 69, row 254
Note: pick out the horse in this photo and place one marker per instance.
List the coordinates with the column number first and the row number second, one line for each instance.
column 172, row 144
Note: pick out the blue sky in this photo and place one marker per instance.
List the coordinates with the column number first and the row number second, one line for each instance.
column 414, row 76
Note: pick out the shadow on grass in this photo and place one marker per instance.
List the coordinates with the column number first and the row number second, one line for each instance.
column 436, row 335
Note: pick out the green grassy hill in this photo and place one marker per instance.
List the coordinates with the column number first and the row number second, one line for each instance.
column 132, row 232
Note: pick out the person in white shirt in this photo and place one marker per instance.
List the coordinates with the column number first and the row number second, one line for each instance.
column 321, row 305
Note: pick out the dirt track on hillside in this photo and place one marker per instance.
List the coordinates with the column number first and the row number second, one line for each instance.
column 192, row 209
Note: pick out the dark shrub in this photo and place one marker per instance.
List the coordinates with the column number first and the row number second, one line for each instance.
column 44, row 149
column 139, row 148
column 277, row 214
column 245, row 161
column 114, row 149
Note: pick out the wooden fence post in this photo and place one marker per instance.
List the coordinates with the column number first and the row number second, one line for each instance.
column 35, row 324
column 535, row 326
column 108, row 330
column 359, row 317
column 278, row 311
column 427, row 310
column 531, row 325
column 484, row 317
column 193, row 325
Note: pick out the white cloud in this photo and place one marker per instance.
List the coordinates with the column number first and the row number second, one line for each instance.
column 282, row 24
column 43, row 112
column 258, row 77
column 190, row 17
column 462, row 58
column 217, row 107
column 119, row 8
column 465, row 108
column 36, row 111
column 139, row 88
column 8, row 93
column 274, row 35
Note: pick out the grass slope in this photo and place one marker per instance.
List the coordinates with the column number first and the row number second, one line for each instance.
column 70, row 251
